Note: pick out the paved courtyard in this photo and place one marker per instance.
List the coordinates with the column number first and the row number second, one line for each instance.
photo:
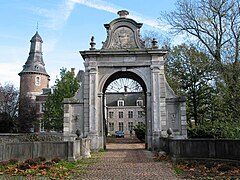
column 127, row 159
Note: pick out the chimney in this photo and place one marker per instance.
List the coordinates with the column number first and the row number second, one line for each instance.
column 73, row 71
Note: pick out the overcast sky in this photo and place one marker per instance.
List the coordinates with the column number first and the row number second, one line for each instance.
column 66, row 27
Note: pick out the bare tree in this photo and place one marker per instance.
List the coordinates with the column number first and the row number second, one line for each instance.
column 8, row 107
column 215, row 23
column 216, row 26
column 148, row 35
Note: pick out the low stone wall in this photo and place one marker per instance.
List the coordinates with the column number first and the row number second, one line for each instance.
column 201, row 148
column 30, row 137
column 65, row 150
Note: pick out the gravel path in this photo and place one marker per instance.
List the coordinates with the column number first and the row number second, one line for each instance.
column 128, row 160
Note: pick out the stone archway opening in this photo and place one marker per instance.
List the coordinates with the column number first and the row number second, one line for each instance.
column 124, row 55
column 124, row 106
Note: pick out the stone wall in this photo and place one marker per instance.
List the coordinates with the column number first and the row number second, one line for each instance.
column 201, row 148
column 30, row 137
column 65, row 150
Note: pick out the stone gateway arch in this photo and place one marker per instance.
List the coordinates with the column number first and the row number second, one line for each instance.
column 124, row 55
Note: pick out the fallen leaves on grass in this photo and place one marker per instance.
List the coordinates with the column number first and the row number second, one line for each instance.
column 203, row 169
column 54, row 169
column 208, row 169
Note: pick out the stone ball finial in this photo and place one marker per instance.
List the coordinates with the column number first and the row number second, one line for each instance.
column 170, row 132
column 92, row 43
column 123, row 13
column 154, row 43
column 78, row 133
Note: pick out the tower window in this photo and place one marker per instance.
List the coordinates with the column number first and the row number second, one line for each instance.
column 36, row 67
column 37, row 81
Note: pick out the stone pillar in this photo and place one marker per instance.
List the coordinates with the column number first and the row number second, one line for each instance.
column 158, row 95
column 183, row 117
column 93, row 118
column 148, row 121
column 66, row 122
column 155, row 101
column 163, row 111
column 100, row 115
column 86, row 103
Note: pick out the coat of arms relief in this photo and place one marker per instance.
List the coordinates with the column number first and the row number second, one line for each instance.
column 123, row 38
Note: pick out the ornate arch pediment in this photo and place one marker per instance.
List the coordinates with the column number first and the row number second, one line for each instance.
column 123, row 33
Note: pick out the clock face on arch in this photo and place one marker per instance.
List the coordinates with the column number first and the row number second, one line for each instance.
column 124, row 85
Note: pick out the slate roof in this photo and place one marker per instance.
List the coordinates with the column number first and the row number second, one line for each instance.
column 34, row 63
column 130, row 98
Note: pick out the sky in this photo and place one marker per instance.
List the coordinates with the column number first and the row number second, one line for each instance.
column 66, row 27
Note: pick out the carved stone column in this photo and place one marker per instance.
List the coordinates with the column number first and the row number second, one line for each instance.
column 148, row 121
column 93, row 123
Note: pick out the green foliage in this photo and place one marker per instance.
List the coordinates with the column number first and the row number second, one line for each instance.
column 189, row 73
column 217, row 34
column 65, row 87
column 140, row 130
column 216, row 129
column 27, row 114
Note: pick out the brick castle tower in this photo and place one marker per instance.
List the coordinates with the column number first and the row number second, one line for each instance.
column 33, row 77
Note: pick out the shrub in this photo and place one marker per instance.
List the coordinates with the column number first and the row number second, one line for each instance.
column 215, row 129
column 31, row 162
column 4, row 163
column 140, row 130
column 40, row 159
column 56, row 160
column 224, row 168
column 13, row 161
column 24, row 166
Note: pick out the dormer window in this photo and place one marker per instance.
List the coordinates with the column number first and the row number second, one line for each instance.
column 120, row 102
column 139, row 102
column 36, row 67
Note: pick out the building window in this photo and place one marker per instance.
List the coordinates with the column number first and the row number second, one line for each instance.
column 37, row 81
column 120, row 102
column 140, row 114
column 42, row 126
column 111, row 126
column 140, row 123
column 42, row 107
column 120, row 126
column 139, row 103
column 130, row 126
column 120, row 114
column 130, row 114
column 110, row 114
